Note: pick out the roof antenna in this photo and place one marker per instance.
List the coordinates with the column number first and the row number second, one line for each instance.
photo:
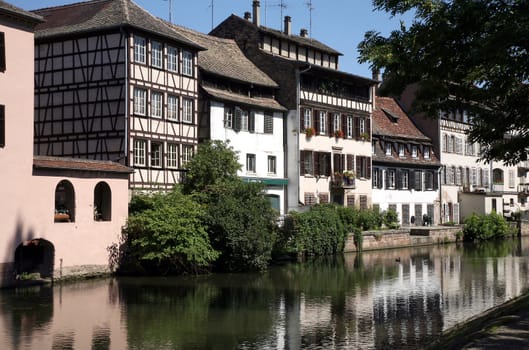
column 212, row 3
column 170, row 10
column 309, row 5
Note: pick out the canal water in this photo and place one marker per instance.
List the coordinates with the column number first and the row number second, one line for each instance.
column 391, row 299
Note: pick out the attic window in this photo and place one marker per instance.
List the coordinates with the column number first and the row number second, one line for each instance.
column 392, row 116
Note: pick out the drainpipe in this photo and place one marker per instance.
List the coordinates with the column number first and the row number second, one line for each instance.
column 126, row 137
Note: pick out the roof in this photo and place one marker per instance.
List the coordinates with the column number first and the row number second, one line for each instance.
column 299, row 40
column 223, row 57
column 262, row 102
column 389, row 119
column 13, row 11
column 98, row 15
column 64, row 163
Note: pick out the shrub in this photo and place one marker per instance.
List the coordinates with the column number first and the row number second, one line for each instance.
column 390, row 219
column 485, row 227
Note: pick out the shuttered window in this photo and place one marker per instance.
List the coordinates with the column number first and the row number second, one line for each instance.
column 268, row 127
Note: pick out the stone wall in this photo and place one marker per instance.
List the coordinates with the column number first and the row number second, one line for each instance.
column 373, row 240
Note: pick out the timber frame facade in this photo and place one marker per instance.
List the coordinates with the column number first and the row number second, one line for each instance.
column 112, row 82
column 328, row 124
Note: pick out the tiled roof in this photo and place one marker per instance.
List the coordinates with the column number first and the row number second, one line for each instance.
column 97, row 15
column 13, row 11
column 224, row 58
column 389, row 119
column 262, row 102
column 64, row 163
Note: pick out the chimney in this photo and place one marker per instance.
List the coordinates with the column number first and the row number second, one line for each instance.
column 304, row 32
column 376, row 74
column 247, row 15
column 288, row 25
column 256, row 13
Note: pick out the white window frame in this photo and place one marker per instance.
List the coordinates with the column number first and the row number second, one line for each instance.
column 426, row 152
column 172, row 59
column 362, row 126
column 337, row 123
column 323, row 122
column 272, row 165
column 156, row 154
column 187, row 110
column 414, row 151
column 156, row 54
column 350, row 126
column 156, row 104
column 140, row 101
column 405, row 179
column 388, row 149
column 172, row 155
column 307, row 120
column 139, row 49
column 187, row 153
column 401, row 150
column 187, row 63
column 392, row 179
column 251, row 165
column 244, row 120
column 172, row 107
column 228, row 117
column 139, row 152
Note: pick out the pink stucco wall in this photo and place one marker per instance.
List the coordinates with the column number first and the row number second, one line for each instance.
column 27, row 201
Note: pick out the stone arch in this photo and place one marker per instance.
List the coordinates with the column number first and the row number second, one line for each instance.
column 64, row 202
column 35, row 256
column 102, row 202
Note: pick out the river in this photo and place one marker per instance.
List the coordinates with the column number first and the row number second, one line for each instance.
column 390, row 299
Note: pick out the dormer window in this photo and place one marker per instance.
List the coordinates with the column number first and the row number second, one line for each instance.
column 401, row 150
column 426, row 152
column 414, row 151
column 388, row 149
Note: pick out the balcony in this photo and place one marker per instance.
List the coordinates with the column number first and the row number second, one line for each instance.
column 523, row 189
column 343, row 180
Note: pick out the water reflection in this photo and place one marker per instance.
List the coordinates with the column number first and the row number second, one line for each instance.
column 395, row 299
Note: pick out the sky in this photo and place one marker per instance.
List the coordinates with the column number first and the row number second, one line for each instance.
column 340, row 24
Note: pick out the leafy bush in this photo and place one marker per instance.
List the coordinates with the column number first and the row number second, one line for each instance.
column 485, row 227
column 390, row 219
column 241, row 225
column 167, row 236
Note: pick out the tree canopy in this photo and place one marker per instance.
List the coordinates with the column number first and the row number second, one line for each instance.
column 462, row 55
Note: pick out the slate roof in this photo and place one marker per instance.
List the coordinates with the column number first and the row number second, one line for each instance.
column 224, row 58
column 263, row 102
column 64, row 163
column 13, row 11
column 389, row 119
column 98, row 15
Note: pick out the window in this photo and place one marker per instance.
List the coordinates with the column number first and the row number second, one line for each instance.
column 511, row 178
column 458, row 145
column 172, row 155
column 377, row 178
column 452, row 144
column 268, row 126
column 156, row 154
column 323, row 197
column 323, row 123
column 414, row 151
column 64, row 202
column 401, row 151
column 156, row 54
column 2, row 52
column 172, row 59
column 172, row 107
column 363, row 167
column 139, row 152
column 404, row 180
column 102, row 202
column 362, row 126
column 187, row 63
column 337, row 125
column 228, row 117
column 187, row 112
column 250, row 163
column 156, row 104
column 139, row 49
column 187, row 153
column 388, row 149
column 310, row 198
column 2, row 126
column 307, row 119
column 426, row 152
column 306, row 163
column 140, row 101
column 244, row 120
column 272, row 164
column 251, row 122
column 349, row 127
column 390, row 179
column 350, row 200
column 445, row 143
column 428, row 180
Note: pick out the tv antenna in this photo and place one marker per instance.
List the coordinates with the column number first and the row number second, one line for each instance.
column 309, row 5
column 170, row 10
column 281, row 4
column 212, row 6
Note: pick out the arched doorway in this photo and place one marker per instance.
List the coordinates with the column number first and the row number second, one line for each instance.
column 35, row 256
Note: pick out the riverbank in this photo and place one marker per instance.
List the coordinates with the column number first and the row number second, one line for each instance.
column 502, row 327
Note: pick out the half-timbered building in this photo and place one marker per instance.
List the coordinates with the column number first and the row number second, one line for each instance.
column 405, row 166
column 58, row 215
column 237, row 105
column 112, row 82
column 328, row 125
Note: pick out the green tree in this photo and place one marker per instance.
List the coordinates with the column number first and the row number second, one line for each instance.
column 214, row 163
column 168, row 235
column 242, row 225
column 470, row 55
